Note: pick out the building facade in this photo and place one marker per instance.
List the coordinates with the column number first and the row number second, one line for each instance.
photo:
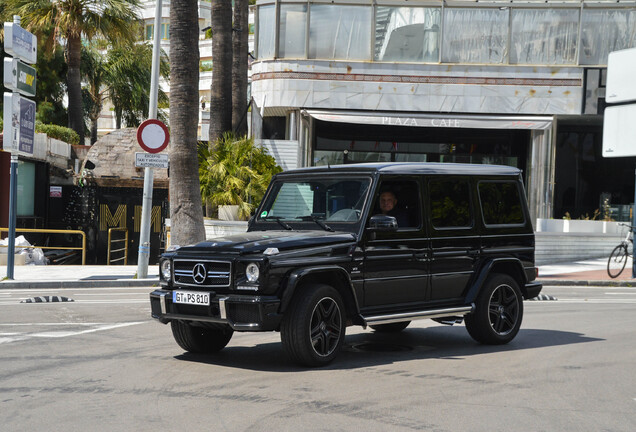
column 504, row 82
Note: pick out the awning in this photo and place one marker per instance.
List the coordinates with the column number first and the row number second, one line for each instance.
column 431, row 120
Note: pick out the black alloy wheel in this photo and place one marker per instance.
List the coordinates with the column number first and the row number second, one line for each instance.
column 498, row 311
column 313, row 328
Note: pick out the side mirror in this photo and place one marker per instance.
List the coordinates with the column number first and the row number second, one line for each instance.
column 383, row 222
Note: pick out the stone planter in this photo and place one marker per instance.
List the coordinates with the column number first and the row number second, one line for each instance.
column 228, row 212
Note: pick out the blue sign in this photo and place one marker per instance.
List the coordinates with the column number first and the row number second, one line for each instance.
column 20, row 43
column 27, row 125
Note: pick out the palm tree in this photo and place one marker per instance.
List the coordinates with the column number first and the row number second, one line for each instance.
column 128, row 81
column 72, row 21
column 122, row 75
column 240, row 48
column 221, row 90
column 186, row 214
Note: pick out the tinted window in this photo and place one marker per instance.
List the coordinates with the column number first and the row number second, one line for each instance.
column 450, row 203
column 501, row 203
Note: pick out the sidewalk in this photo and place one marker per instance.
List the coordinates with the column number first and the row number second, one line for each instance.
column 589, row 272
column 77, row 276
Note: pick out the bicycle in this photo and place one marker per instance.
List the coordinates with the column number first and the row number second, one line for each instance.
column 618, row 257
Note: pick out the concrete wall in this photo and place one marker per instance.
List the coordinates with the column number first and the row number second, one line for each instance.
column 551, row 247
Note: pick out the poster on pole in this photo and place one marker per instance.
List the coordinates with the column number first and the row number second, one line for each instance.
column 19, row 123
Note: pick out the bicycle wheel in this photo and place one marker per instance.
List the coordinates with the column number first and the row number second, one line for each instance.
column 617, row 260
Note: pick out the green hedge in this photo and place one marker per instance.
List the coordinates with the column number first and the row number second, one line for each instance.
column 58, row 132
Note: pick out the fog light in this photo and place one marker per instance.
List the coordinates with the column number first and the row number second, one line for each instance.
column 252, row 272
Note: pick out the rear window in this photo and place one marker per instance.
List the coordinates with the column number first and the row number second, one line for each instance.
column 450, row 203
column 501, row 203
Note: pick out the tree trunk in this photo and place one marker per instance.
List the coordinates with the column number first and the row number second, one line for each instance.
column 221, row 90
column 74, row 86
column 240, row 49
column 186, row 215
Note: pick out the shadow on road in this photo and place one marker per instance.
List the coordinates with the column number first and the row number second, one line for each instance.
column 374, row 349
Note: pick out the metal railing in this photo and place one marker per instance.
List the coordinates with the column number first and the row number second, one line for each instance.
column 53, row 231
column 123, row 249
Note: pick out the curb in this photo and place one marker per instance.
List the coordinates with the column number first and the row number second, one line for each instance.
column 80, row 284
column 574, row 282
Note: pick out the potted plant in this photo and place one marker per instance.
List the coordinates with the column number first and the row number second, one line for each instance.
column 235, row 172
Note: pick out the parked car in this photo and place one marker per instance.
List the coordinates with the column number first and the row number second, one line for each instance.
column 323, row 253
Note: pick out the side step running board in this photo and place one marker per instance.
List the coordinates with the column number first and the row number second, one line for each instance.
column 411, row 316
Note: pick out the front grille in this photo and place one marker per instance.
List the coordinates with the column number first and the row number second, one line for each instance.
column 202, row 273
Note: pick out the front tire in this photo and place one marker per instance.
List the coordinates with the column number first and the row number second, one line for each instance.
column 313, row 328
column 201, row 340
column 617, row 260
column 498, row 311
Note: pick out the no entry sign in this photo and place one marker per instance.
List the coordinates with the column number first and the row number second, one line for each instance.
column 153, row 136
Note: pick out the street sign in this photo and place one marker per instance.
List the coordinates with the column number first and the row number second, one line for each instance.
column 153, row 136
column 20, row 43
column 19, row 123
column 19, row 77
column 619, row 131
column 150, row 160
column 621, row 86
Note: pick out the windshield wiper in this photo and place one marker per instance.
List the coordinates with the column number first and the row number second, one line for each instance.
column 317, row 220
column 280, row 222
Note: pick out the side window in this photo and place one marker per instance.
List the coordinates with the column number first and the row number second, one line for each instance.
column 400, row 199
column 501, row 203
column 450, row 203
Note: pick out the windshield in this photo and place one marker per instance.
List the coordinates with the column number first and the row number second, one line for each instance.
column 317, row 200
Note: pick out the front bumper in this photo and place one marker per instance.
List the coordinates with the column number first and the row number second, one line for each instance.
column 532, row 289
column 241, row 312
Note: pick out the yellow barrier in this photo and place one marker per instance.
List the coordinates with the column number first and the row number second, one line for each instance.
column 53, row 231
column 124, row 249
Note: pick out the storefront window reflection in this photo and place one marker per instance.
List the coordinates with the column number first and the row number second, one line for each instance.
column 340, row 32
column 407, row 34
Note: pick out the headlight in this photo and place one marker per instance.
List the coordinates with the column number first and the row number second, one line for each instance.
column 165, row 269
column 252, row 272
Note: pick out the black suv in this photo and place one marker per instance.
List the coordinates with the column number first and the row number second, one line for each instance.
column 375, row 245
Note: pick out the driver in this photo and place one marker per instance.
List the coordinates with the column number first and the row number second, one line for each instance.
column 388, row 201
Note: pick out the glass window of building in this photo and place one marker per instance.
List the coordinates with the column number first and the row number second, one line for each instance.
column 293, row 30
column 544, row 36
column 407, row 34
column 475, row 35
column 150, row 31
column 266, row 31
column 340, row 32
column 619, row 32
column 165, row 31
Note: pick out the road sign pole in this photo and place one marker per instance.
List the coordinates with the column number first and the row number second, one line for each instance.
column 146, row 208
column 13, row 193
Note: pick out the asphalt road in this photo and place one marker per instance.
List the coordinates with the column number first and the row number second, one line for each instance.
column 101, row 364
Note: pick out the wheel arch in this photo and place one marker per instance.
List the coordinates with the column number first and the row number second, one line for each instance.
column 508, row 266
column 334, row 276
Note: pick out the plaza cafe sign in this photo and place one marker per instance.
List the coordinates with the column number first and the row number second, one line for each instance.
column 430, row 120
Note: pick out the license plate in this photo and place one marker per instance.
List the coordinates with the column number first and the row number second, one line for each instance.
column 191, row 297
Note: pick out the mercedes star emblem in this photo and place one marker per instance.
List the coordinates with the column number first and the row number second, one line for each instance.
column 199, row 273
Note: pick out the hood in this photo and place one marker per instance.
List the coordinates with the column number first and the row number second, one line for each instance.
column 258, row 241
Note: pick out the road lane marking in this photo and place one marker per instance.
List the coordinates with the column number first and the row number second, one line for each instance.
column 53, row 334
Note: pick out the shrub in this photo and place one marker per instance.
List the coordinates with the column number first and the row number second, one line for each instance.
column 58, row 132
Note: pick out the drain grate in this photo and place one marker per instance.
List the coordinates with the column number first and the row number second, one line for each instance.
column 380, row 347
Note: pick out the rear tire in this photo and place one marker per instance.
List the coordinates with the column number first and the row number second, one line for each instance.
column 313, row 328
column 617, row 260
column 390, row 328
column 201, row 339
column 498, row 311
